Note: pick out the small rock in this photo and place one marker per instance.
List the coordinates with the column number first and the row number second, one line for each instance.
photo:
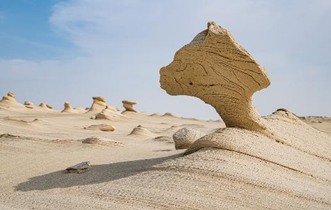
column 184, row 137
column 79, row 168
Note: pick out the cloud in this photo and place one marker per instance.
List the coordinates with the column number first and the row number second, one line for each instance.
column 125, row 43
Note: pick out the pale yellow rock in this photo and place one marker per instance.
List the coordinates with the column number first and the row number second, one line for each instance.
column 214, row 68
column 68, row 108
column 99, row 103
column 128, row 105
column 9, row 101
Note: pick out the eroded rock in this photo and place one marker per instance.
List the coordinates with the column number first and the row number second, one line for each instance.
column 128, row 105
column 184, row 137
column 216, row 69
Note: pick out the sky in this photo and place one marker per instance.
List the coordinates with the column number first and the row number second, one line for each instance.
column 54, row 51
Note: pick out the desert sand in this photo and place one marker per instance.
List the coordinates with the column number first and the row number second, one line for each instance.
column 279, row 161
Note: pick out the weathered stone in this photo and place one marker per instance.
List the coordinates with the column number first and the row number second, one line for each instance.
column 216, row 69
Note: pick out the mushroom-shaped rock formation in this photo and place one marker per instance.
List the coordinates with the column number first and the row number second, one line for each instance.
column 67, row 107
column 184, row 137
column 128, row 105
column 216, row 69
column 10, row 101
column 99, row 103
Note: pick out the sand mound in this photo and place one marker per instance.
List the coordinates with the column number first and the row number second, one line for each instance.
column 184, row 137
column 168, row 114
column 101, row 141
column 9, row 101
column 101, row 127
column 110, row 113
column 99, row 103
column 43, row 105
column 156, row 114
column 165, row 139
column 141, row 131
column 128, row 105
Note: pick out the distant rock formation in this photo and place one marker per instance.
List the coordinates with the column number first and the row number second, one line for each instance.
column 28, row 103
column 128, row 105
column 43, row 105
column 110, row 113
column 184, row 137
column 49, row 106
column 216, row 69
column 67, row 107
column 99, row 103
column 10, row 101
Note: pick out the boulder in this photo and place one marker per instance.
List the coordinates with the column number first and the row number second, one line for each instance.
column 184, row 137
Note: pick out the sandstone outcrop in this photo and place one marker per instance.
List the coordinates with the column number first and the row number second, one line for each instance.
column 184, row 137
column 10, row 101
column 67, row 107
column 128, row 105
column 110, row 113
column 214, row 68
column 99, row 103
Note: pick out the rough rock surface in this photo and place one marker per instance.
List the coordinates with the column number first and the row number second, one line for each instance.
column 128, row 105
column 184, row 137
column 214, row 68
column 99, row 103
column 79, row 168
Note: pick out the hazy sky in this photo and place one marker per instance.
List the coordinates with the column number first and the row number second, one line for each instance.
column 55, row 51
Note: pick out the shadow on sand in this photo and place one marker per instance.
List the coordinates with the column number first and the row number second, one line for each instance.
column 98, row 174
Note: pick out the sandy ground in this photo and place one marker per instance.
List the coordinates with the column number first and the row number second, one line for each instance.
column 36, row 145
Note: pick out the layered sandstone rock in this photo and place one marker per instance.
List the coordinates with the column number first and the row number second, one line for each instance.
column 214, row 68
column 99, row 103
column 128, row 105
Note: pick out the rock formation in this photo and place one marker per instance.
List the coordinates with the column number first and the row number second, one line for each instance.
column 28, row 103
column 110, row 113
column 49, row 106
column 184, row 137
column 67, row 107
column 43, row 105
column 79, row 168
column 10, row 101
column 99, row 103
column 128, row 105
column 214, row 68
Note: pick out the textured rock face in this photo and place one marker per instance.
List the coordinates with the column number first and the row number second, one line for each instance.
column 184, row 137
column 214, row 68
column 128, row 105
column 99, row 103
